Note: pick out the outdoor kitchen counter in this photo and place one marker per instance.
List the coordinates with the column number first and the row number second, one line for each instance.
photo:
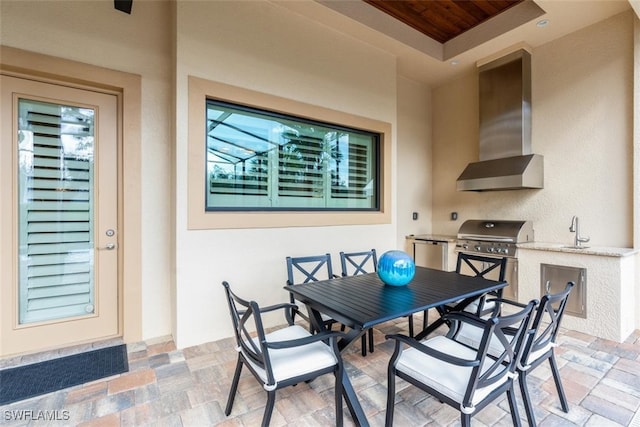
column 609, row 284
column 587, row 250
column 448, row 260
column 435, row 237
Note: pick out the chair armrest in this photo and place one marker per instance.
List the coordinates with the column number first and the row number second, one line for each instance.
column 420, row 346
column 507, row 301
column 469, row 318
column 466, row 317
column 496, row 310
column 321, row 336
column 499, row 301
column 288, row 308
column 278, row 306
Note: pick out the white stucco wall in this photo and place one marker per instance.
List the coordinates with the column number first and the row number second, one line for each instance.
column 636, row 148
column 582, row 87
column 263, row 47
column 414, row 159
column 257, row 45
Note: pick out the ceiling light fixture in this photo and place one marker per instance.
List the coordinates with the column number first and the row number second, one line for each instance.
column 542, row 23
column 454, row 62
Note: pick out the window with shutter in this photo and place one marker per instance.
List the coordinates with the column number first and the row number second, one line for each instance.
column 56, row 211
column 262, row 160
column 351, row 176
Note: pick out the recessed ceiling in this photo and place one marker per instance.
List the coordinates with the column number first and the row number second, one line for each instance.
column 424, row 59
column 442, row 20
column 461, row 25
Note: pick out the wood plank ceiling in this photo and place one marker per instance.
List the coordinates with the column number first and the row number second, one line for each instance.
column 443, row 20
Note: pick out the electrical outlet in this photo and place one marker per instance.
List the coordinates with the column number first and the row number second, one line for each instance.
column 415, row 216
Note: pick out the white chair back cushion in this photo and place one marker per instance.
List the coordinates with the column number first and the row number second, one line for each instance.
column 473, row 306
column 535, row 355
column 471, row 336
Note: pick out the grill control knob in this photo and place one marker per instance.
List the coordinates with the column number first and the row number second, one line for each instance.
column 478, row 247
column 493, row 250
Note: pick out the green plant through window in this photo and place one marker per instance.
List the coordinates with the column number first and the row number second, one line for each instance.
column 260, row 160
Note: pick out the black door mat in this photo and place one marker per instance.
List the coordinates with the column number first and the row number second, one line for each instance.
column 27, row 381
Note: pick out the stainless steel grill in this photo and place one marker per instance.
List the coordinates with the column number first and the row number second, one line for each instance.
column 493, row 238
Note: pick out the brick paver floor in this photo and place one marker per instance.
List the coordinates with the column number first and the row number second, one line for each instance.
column 189, row 387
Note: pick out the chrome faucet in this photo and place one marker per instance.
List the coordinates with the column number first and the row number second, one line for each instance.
column 575, row 228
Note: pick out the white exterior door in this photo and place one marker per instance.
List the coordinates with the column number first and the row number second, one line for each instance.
column 59, row 220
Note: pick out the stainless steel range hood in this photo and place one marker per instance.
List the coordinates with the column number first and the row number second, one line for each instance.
column 506, row 161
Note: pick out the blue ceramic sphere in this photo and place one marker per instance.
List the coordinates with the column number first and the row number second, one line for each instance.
column 396, row 268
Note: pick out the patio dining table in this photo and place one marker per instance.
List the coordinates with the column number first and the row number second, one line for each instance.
column 364, row 301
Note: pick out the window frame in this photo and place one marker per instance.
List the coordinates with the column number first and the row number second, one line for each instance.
column 276, row 197
column 198, row 217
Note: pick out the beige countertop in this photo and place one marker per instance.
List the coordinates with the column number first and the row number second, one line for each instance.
column 586, row 250
column 435, row 237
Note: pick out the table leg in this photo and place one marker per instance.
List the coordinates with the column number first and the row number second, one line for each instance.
column 432, row 327
column 357, row 413
column 315, row 318
column 317, row 325
column 440, row 321
column 351, row 336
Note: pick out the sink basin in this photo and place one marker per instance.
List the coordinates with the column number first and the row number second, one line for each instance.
column 574, row 247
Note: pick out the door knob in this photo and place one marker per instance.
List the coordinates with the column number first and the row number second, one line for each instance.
column 110, row 246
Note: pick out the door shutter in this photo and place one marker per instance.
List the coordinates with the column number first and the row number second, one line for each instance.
column 56, row 146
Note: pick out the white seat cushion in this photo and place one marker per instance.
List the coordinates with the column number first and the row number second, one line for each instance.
column 325, row 317
column 471, row 336
column 292, row 362
column 473, row 306
column 450, row 380
column 534, row 355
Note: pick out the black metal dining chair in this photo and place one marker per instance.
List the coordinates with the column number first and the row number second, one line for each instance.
column 468, row 379
column 538, row 346
column 354, row 263
column 307, row 269
column 479, row 266
column 482, row 266
column 281, row 358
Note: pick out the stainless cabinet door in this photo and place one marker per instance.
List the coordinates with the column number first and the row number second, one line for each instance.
column 430, row 254
column 554, row 278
